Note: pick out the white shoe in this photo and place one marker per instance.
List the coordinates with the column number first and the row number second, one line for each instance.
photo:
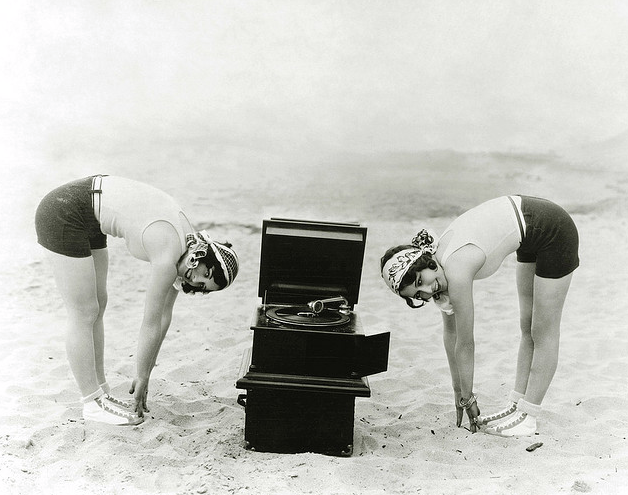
column 120, row 402
column 518, row 425
column 103, row 410
column 498, row 416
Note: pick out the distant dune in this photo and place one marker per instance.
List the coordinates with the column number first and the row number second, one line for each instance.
column 609, row 154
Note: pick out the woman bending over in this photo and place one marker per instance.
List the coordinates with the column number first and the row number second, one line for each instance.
column 473, row 247
column 72, row 223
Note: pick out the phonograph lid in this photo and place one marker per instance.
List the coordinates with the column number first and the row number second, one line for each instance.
column 303, row 260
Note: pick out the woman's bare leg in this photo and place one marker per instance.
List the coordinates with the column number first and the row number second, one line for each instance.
column 82, row 283
column 76, row 281
column 549, row 299
column 101, row 266
column 538, row 350
column 525, row 290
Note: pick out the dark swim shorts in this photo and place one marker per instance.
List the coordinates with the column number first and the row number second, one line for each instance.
column 551, row 238
column 65, row 220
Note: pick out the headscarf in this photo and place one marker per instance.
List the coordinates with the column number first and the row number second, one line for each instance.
column 198, row 245
column 399, row 263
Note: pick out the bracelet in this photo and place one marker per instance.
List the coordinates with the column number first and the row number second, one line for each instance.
column 466, row 404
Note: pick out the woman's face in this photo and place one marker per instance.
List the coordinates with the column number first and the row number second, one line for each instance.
column 426, row 283
column 201, row 276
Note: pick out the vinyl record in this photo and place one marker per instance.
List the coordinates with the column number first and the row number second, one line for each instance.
column 302, row 316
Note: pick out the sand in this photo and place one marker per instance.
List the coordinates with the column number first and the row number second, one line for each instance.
column 405, row 437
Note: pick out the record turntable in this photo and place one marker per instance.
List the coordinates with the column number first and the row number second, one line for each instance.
column 310, row 357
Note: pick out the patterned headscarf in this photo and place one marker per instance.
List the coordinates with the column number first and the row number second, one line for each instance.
column 198, row 245
column 399, row 263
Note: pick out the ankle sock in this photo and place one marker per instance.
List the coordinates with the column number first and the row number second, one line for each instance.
column 94, row 395
column 513, row 396
column 529, row 408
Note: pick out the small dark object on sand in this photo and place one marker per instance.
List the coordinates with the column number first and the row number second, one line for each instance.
column 534, row 446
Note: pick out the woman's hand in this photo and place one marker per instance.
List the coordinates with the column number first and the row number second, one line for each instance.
column 139, row 389
column 459, row 409
column 473, row 411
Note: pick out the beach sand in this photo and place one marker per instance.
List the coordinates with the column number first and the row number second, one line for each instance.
column 405, row 438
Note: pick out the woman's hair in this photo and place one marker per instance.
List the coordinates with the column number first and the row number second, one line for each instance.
column 425, row 261
column 211, row 262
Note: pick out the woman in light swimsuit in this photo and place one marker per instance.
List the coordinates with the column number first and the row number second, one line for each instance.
column 72, row 223
column 545, row 239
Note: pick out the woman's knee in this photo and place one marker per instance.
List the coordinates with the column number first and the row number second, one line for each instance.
column 102, row 304
column 545, row 332
column 525, row 324
column 86, row 313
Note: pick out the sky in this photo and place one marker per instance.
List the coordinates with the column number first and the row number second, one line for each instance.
column 343, row 76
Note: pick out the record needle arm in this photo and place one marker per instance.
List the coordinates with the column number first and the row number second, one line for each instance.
column 318, row 305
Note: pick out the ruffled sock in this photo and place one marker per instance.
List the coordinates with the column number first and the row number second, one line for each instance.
column 511, row 408
column 520, row 424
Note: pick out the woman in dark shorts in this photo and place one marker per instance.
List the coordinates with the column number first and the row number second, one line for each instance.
column 72, row 223
column 473, row 247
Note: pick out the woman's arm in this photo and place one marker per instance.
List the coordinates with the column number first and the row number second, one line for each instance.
column 461, row 270
column 449, row 339
column 464, row 353
column 461, row 297
column 166, row 317
column 162, row 245
column 151, row 334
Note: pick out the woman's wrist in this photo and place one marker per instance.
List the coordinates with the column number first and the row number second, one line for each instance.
column 467, row 403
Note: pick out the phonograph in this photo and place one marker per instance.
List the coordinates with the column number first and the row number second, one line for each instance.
column 310, row 357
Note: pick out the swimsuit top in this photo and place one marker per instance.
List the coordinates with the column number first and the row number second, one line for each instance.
column 128, row 207
column 492, row 226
